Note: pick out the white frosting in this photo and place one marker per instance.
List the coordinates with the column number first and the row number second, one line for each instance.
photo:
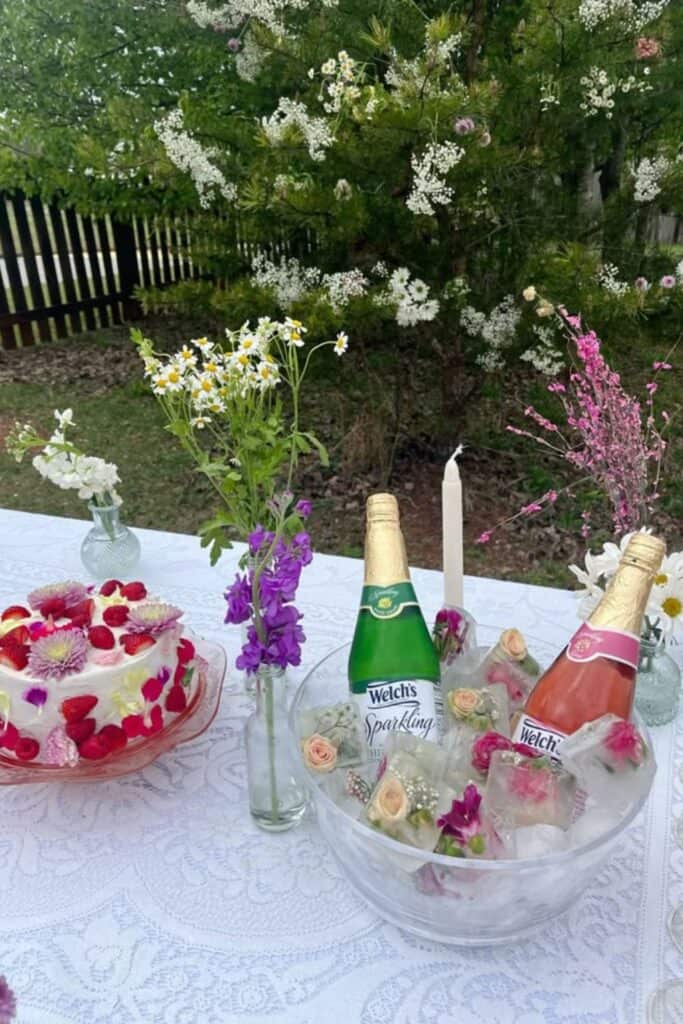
column 117, row 687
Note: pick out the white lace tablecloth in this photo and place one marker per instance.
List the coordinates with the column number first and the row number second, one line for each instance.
column 153, row 898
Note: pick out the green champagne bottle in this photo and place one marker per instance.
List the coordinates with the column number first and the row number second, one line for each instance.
column 393, row 666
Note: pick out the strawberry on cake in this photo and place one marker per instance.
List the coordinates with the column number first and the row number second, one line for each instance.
column 85, row 672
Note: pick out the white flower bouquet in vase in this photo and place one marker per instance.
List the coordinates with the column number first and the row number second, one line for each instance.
column 109, row 549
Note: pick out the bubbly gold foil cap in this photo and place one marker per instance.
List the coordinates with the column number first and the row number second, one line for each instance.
column 382, row 507
column 645, row 550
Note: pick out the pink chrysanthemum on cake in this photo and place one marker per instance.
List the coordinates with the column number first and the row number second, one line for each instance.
column 153, row 617
column 55, row 597
column 62, row 653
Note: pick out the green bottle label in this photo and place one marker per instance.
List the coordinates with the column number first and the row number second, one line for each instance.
column 388, row 602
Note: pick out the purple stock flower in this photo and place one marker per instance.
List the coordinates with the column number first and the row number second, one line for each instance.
column 238, row 597
column 303, row 508
column 8, row 1003
column 258, row 539
column 233, row 44
column 668, row 281
column 282, row 636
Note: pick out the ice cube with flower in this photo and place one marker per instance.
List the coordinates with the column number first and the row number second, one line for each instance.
column 525, row 790
column 340, row 727
column 611, row 761
column 410, row 793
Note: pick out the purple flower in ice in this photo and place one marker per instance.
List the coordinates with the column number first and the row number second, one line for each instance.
column 641, row 284
column 62, row 653
column 463, row 820
column 8, row 1003
column 154, row 617
column 668, row 281
column 463, row 125
column 36, row 695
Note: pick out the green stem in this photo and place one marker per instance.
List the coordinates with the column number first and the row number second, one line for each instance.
column 270, row 727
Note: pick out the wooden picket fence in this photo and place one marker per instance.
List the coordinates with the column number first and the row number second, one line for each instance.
column 62, row 273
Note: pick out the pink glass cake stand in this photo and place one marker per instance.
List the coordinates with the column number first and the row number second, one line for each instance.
column 187, row 725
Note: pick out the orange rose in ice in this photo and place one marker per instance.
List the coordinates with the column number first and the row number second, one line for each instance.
column 463, row 702
column 390, row 804
column 319, row 754
column 513, row 644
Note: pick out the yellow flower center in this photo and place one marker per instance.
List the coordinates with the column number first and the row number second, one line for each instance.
column 661, row 579
column 207, row 385
column 173, row 376
column 211, row 367
column 673, row 606
column 243, row 360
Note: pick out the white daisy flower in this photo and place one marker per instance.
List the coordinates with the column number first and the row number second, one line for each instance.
column 341, row 344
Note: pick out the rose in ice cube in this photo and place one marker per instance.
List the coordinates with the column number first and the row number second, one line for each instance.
column 611, row 760
column 528, row 791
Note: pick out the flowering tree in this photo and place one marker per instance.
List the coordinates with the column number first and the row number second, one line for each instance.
column 428, row 163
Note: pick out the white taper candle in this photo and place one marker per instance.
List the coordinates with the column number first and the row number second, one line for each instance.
column 451, row 511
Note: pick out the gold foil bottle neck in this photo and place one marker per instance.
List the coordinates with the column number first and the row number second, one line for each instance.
column 623, row 604
column 386, row 561
column 382, row 508
column 646, row 551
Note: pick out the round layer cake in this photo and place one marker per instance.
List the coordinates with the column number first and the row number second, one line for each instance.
column 85, row 671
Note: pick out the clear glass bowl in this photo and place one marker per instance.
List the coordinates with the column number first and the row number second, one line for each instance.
column 457, row 901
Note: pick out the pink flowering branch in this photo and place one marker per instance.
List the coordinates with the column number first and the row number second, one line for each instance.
column 610, row 438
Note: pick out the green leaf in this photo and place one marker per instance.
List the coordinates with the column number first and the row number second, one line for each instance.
column 322, row 450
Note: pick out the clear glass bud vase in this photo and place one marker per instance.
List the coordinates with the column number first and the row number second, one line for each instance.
column 658, row 683
column 277, row 799
column 109, row 549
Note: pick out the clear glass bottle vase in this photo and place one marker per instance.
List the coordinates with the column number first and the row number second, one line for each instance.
column 658, row 683
column 277, row 797
column 109, row 549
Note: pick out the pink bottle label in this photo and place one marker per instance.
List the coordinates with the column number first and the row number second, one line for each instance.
column 589, row 644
